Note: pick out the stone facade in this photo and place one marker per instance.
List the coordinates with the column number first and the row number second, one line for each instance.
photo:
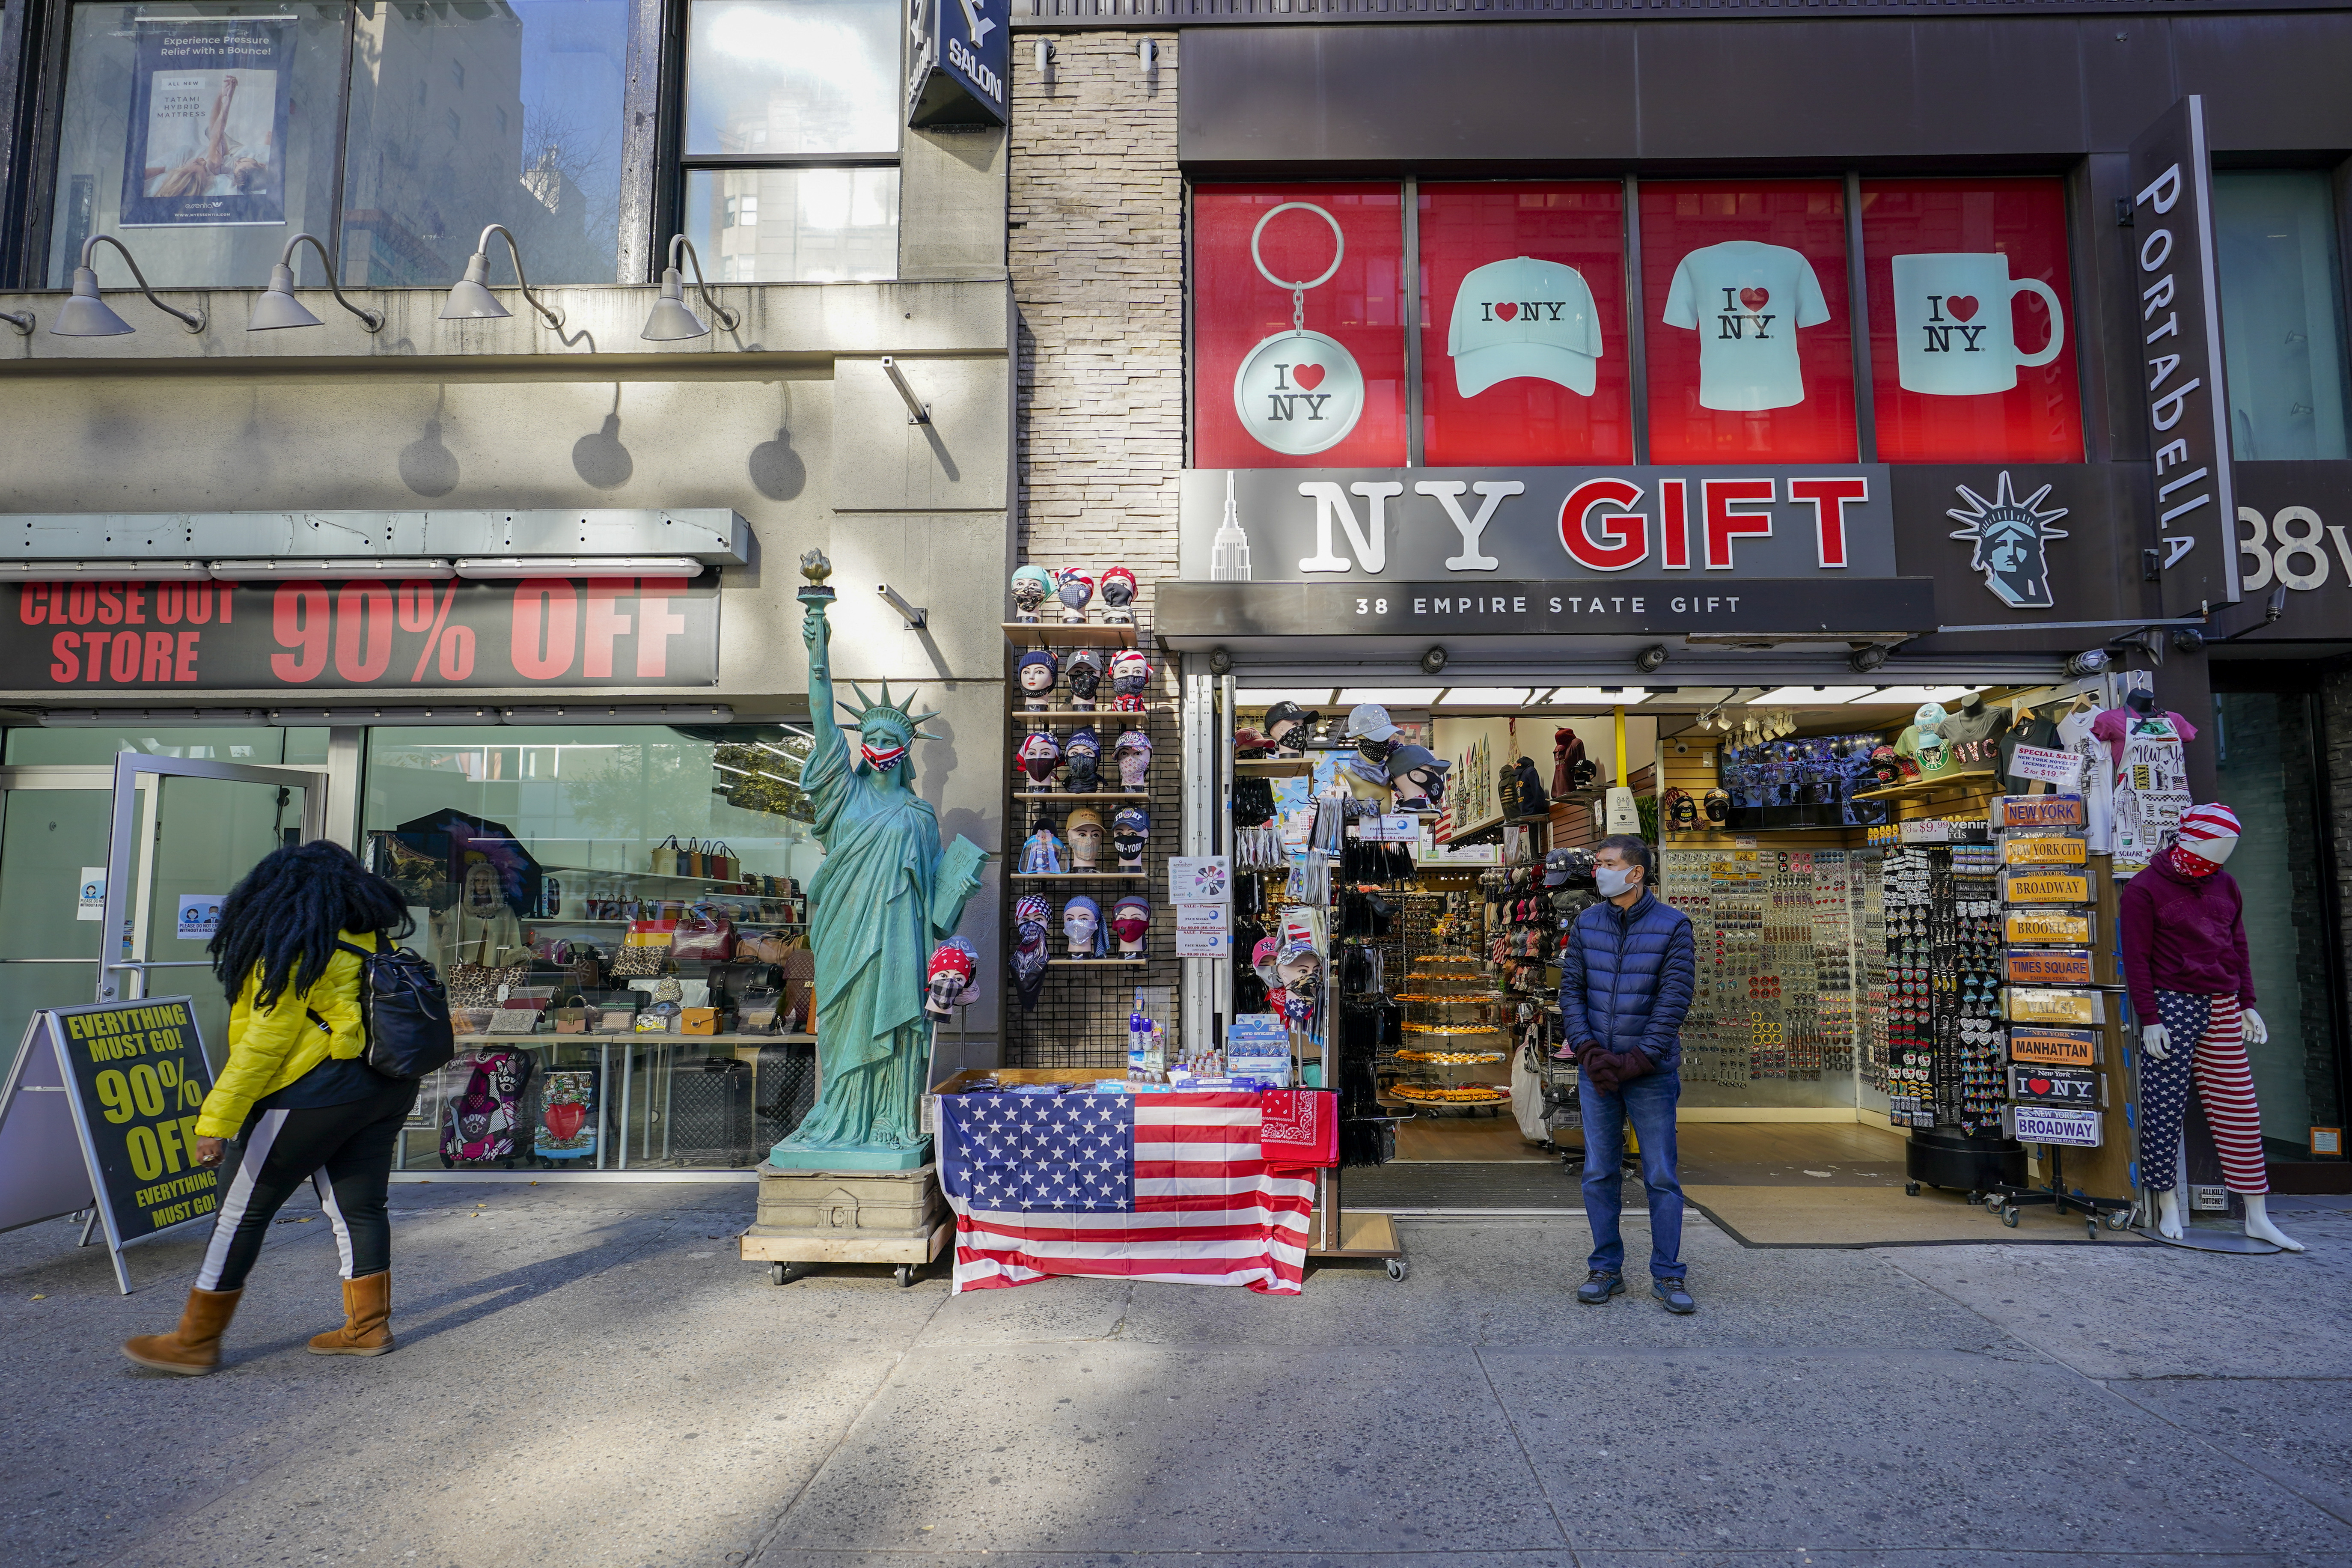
column 1097, row 252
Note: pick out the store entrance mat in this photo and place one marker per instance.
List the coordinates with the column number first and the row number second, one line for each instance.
column 1406, row 1184
column 1880, row 1217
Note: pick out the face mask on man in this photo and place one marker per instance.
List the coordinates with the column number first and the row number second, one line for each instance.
column 1612, row 880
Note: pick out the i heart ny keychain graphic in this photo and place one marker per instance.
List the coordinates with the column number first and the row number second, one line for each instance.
column 1299, row 391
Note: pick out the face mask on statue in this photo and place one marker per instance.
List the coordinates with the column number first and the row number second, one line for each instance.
column 1612, row 880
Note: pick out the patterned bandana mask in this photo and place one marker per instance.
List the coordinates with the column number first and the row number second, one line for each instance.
column 1134, row 767
column 2190, row 865
column 881, row 759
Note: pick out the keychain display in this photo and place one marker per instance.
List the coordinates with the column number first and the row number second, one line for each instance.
column 1299, row 392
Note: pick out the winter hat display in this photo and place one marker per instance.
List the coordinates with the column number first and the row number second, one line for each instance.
column 949, row 979
column 1082, row 928
column 1085, row 677
column 1130, row 830
column 1131, row 918
column 1084, row 757
column 1134, row 754
column 1118, row 594
column 1031, row 584
column 1131, row 675
column 1040, row 753
column 1085, row 826
column 2207, row 836
column 1075, row 590
column 1035, row 672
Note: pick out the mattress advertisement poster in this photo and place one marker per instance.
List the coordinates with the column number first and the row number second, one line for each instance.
column 208, row 111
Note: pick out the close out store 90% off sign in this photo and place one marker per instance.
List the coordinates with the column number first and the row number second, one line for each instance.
column 221, row 636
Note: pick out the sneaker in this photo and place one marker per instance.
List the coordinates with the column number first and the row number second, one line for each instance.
column 1670, row 1291
column 1599, row 1286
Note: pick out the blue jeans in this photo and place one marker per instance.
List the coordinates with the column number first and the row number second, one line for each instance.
column 1650, row 1102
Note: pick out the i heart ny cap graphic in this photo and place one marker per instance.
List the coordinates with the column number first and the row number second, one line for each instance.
column 1523, row 317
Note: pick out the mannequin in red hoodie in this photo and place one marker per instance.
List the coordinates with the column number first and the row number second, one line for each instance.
column 2184, row 940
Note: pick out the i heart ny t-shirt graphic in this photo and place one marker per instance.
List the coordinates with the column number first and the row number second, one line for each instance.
column 1746, row 300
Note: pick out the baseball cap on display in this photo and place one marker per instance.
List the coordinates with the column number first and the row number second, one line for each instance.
column 1523, row 317
column 1368, row 722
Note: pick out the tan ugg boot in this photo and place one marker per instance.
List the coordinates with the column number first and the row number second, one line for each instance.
column 367, row 1319
column 192, row 1349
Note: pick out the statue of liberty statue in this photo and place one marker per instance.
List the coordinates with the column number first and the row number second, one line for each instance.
column 884, row 898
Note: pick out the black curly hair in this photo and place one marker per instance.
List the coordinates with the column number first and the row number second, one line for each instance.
column 283, row 918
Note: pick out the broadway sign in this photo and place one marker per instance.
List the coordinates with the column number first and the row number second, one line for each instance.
column 554, row 632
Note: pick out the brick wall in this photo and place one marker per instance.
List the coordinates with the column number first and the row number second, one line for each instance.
column 1097, row 249
column 2336, row 737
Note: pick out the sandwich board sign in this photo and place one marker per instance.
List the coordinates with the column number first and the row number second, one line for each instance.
column 99, row 1110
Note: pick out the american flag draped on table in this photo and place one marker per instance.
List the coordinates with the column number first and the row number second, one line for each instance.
column 1139, row 1186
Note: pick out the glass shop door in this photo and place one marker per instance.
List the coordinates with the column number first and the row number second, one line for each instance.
column 184, row 832
column 53, row 827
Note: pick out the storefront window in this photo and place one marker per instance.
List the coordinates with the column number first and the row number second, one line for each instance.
column 2270, row 776
column 206, row 135
column 773, row 87
column 263, row 748
column 203, row 135
column 463, row 116
column 794, row 226
column 2282, row 310
column 1748, row 335
column 1298, row 327
column 1523, row 354
column 1970, row 355
column 620, row 914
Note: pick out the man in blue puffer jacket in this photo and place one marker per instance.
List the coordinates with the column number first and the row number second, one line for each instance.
column 1626, row 974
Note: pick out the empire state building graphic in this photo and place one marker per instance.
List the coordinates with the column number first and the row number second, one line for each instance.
column 1229, row 557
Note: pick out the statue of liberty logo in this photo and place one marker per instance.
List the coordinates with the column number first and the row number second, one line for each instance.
column 2011, row 537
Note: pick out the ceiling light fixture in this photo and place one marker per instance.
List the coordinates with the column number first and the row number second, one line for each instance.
column 503, row 567
column 672, row 320
column 1595, row 696
column 1484, row 697
column 298, row 570
column 87, row 314
column 470, row 298
column 278, row 307
column 1809, row 696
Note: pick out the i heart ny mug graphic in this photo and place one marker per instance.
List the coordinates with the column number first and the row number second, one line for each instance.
column 1954, row 332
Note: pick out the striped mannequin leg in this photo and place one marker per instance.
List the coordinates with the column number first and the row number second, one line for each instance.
column 2225, row 1086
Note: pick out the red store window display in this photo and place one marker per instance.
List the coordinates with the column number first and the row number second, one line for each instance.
column 1970, row 358
column 1748, row 335
column 1523, row 324
column 1298, row 326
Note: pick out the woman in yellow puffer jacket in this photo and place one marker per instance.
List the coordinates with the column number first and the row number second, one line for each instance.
column 296, row 1103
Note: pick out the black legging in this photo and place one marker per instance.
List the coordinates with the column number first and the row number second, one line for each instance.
column 343, row 1150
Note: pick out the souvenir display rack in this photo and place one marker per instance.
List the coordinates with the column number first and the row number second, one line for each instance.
column 1080, row 1019
column 1456, row 1041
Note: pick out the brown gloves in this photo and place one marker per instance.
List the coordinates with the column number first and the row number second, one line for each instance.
column 1609, row 1070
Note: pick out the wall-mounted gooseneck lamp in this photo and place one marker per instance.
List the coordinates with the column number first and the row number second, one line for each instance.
column 470, row 298
column 85, row 314
column 23, row 323
column 278, row 307
column 672, row 319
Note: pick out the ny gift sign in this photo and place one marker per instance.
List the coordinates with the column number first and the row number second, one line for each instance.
column 555, row 631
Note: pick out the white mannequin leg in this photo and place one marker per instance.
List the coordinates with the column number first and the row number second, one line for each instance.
column 2258, row 1222
column 2168, row 1214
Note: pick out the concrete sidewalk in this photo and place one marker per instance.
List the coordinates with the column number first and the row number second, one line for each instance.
column 587, row 1376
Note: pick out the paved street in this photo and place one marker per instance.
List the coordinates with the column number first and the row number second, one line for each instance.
column 588, row 1377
